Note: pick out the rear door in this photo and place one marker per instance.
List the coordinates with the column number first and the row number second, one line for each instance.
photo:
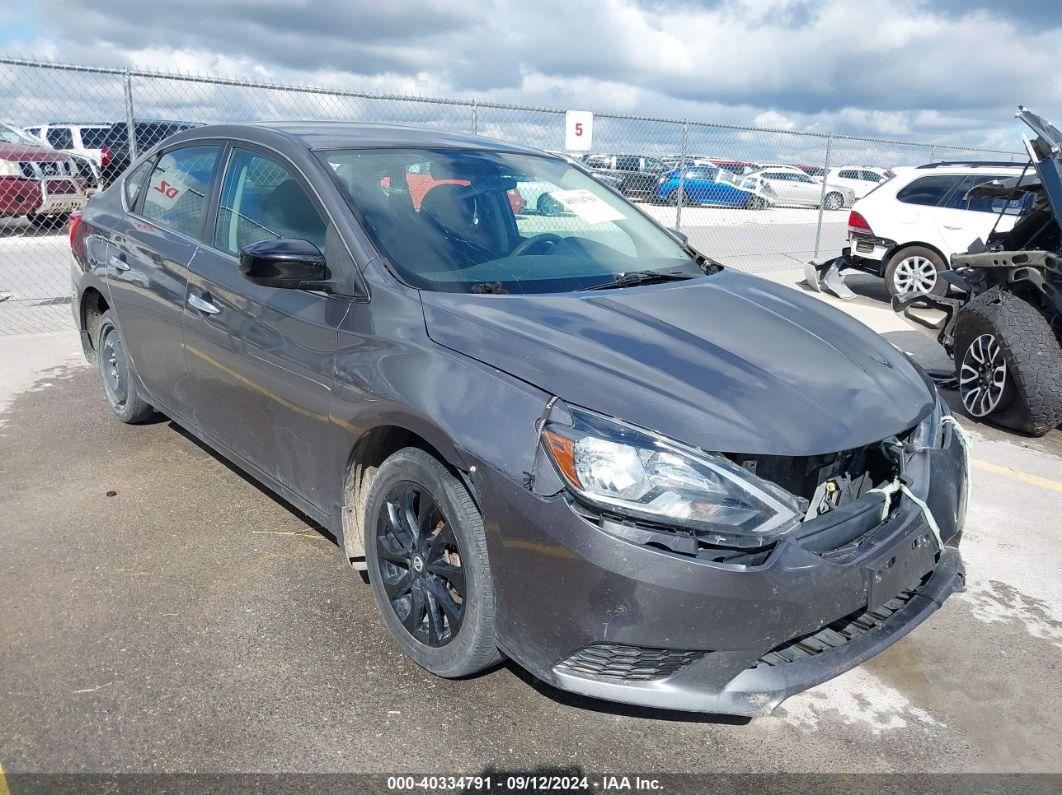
column 260, row 358
column 147, row 269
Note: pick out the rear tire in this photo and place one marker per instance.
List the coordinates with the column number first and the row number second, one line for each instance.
column 119, row 378
column 833, row 201
column 1027, row 355
column 426, row 556
column 755, row 202
column 915, row 270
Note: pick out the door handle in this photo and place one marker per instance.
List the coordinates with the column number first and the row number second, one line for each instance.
column 203, row 305
column 119, row 264
column 949, row 226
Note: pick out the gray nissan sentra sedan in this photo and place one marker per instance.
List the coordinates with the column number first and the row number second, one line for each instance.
column 549, row 430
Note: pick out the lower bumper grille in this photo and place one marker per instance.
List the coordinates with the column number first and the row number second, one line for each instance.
column 627, row 663
column 836, row 634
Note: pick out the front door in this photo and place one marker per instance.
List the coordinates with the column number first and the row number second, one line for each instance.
column 260, row 358
column 147, row 269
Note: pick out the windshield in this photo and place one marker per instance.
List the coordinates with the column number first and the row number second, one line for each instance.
column 9, row 135
column 494, row 222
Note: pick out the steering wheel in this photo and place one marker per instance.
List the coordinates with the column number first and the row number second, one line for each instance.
column 534, row 242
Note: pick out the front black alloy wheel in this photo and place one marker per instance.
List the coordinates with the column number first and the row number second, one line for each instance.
column 420, row 564
column 426, row 556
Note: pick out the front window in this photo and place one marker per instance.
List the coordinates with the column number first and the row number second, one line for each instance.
column 446, row 221
column 9, row 135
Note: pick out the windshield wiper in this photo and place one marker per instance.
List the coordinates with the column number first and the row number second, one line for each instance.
column 631, row 278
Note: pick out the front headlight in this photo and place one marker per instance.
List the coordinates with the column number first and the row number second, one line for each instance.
column 619, row 468
column 9, row 168
column 929, row 433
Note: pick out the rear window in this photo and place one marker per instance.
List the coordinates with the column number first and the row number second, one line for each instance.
column 177, row 191
column 928, row 191
column 60, row 137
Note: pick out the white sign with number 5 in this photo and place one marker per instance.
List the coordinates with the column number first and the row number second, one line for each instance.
column 578, row 130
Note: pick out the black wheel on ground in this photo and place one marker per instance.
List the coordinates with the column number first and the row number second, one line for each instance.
column 426, row 555
column 675, row 195
column 754, row 202
column 1008, row 363
column 915, row 271
column 119, row 377
column 832, row 201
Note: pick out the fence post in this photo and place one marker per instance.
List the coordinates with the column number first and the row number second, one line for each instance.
column 129, row 125
column 475, row 118
column 682, row 174
column 822, row 196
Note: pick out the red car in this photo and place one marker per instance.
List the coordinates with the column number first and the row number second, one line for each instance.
column 36, row 182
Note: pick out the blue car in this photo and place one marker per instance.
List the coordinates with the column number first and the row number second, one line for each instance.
column 707, row 185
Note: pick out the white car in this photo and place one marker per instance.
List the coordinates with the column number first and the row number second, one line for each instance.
column 87, row 140
column 860, row 179
column 907, row 228
column 795, row 188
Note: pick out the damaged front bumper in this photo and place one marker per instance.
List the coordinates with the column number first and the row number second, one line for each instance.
column 605, row 616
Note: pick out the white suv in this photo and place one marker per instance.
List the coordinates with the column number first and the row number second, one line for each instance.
column 860, row 179
column 907, row 228
column 87, row 140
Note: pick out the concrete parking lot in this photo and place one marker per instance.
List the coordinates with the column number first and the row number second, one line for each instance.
column 161, row 612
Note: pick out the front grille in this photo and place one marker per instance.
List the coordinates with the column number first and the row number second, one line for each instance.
column 38, row 169
column 626, row 663
column 836, row 634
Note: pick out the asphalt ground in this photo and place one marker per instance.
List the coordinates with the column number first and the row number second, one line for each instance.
column 163, row 613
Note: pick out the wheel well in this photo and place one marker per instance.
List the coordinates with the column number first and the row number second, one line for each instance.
column 371, row 450
column 93, row 305
column 912, row 244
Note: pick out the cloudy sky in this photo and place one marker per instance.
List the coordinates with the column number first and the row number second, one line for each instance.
column 949, row 71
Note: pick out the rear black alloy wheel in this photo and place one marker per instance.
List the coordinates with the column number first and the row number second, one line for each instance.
column 420, row 564
column 983, row 376
column 119, row 378
column 426, row 557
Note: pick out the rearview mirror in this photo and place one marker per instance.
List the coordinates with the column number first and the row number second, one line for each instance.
column 285, row 263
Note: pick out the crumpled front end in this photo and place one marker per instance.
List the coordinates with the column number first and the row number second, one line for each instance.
column 635, row 612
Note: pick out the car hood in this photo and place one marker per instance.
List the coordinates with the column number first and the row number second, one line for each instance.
column 728, row 362
column 22, row 152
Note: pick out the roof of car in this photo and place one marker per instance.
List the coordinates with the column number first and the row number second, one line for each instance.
column 355, row 135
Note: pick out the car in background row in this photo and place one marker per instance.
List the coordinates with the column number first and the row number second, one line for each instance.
column 860, row 179
column 84, row 139
column 86, row 167
column 713, row 186
column 796, row 189
column 37, row 182
column 148, row 133
column 739, row 167
column 637, row 175
column 907, row 230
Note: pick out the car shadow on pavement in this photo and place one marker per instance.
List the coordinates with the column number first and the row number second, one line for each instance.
column 589, row 704
column 264, row 490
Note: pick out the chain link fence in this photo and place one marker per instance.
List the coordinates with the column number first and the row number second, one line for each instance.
column 69, row 130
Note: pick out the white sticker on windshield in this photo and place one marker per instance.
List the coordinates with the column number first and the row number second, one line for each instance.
column 587, row 206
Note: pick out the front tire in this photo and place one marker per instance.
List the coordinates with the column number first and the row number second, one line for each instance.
column 426, row 555
column 1008, row 363
column 119, row 378
column 915, row 271
column 675, row 195
column 755, row 202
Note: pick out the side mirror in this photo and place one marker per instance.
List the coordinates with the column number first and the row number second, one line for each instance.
column 285, row 263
